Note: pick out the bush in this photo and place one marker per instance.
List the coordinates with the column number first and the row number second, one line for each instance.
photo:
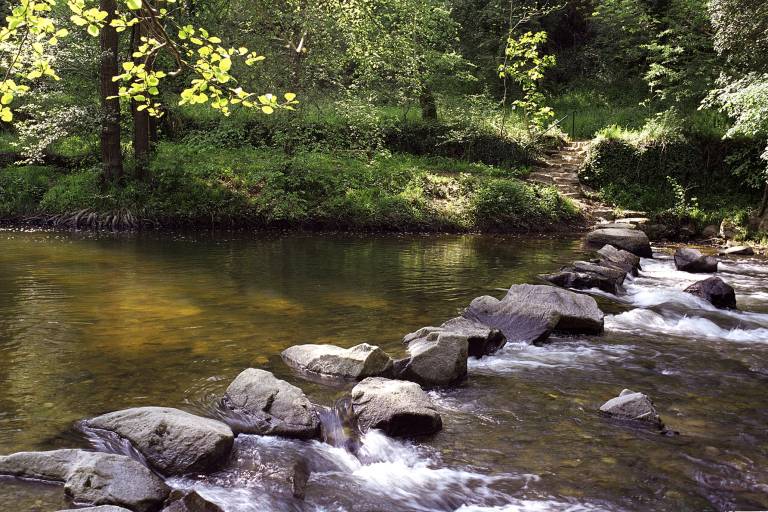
column 22, row 188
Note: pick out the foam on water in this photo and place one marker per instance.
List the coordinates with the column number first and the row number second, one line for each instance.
column 400, row 474
column 534, row 506
column 557, row 354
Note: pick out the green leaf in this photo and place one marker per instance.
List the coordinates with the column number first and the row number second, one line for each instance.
column 267, row 109
column 289, row 96
column 7, row 115
column 7, row 98
column 133, row 5
column 93, row 30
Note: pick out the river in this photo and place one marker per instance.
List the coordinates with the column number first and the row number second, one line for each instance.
column 94, row 323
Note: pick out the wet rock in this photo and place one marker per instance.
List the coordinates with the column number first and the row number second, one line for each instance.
column 691, row 260
column 92, row 478
column 481, row 339
column 608, row 272
column 716, row 291
column 257, row 402
column 738, row 250
column 610, row 256
column 634, row 407
column 570, row 278
column 631, row 240
column 189, row 501
column 100, row 508
column 530, row 312
column 634, row 221
column 398, row 408
column 358, row 362
column 437, row 359
column 171, row 441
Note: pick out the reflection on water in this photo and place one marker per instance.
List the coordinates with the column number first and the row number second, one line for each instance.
column 92, row 324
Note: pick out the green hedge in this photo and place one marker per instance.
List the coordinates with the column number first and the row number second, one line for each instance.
column 649, row 176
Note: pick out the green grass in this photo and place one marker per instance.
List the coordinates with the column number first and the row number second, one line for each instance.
column 193, row 185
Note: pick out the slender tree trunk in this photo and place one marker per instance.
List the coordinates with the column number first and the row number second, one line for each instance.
column 428, row 105
column 142, row 128
column 111, row 156
column 764, row 202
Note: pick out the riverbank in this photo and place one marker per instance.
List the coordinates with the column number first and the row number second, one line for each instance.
column 247, row 187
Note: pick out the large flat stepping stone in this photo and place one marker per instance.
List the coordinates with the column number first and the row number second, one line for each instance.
column 357, row 363
column 437, row 359
column 92, row 478
column 398, row 408
column 257, row 402
column 481, row 339
column 631, row 240
column 171, row 441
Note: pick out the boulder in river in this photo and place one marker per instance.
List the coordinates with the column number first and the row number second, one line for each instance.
column 358, row 362
column 631, row 240
column 189, row 501
column 257, row 402
column 716, row 291
column 738, row 250
column 171, row 441
column 92, row 478
column 100, row 508
column 588, row 276
column 398, row 408
column 481, row 339
column 437, row 359
column 691, row 260
column 611, row 257
column 633, row 407
column 528, row 313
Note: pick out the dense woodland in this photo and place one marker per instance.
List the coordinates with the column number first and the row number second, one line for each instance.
column 380, row 114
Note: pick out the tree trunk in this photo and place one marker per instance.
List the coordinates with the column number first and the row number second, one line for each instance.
column 764, row 202
column 428, row 105
column 111, row 156
column 142, row 129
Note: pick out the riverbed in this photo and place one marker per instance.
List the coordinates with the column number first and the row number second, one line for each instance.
column 95, row 323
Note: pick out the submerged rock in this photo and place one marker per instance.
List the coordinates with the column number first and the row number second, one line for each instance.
column 716, row 291
column 257, row 402
column 170, row 440
column 358, row 362
column 189, row 501
column 691, row 260
column 631, row 240
column 92, row 478
column 437, row 359
column 611, row 257
column 738, row 250
column 631, row 406
column 481, row 339
column 396, row 407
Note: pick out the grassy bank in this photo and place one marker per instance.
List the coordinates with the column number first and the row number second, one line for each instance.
column 192, row 184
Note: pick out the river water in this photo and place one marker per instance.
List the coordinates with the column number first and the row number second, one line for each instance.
column 91, row 324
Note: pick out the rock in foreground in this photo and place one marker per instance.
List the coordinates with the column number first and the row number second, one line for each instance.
column 481, row 339
column 357, row 363
column 634, row 407
column 716, row 291
column 92, row 478
column 631, row 240
column 100, row 508
column 172, row 441
column 396, row 407
column 259, row 403
column 586, row 276
column 691, row 260
column 437, row 359
column 189, row 501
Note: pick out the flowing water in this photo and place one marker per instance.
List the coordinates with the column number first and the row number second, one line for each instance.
column 91, row 324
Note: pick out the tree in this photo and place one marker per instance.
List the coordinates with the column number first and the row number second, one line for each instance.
column 741, row 36
column 111, row 156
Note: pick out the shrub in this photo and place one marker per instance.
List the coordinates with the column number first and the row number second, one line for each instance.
column 22, row 188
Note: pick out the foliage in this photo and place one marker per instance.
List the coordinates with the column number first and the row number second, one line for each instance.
column 526, row 67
